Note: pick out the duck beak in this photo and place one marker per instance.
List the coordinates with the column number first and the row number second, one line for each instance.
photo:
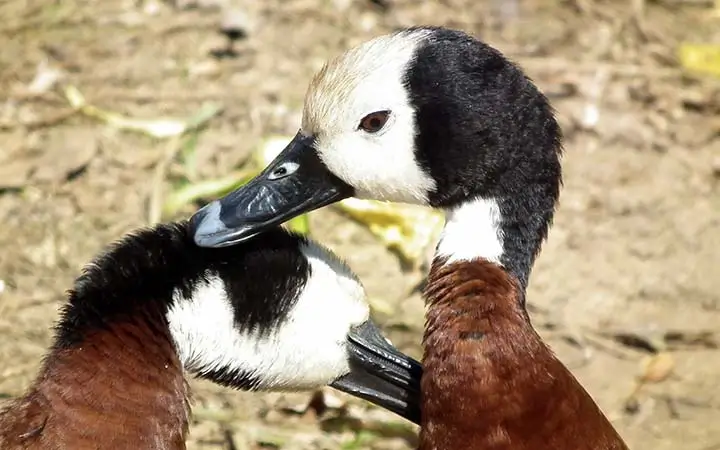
column 381, row 374
column 296, row 182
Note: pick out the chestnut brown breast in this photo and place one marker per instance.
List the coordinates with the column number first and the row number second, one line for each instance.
column 122, row 388
column 489, row 381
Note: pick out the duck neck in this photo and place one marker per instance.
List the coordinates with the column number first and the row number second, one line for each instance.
column 120, row 383
column 474, row 321
column 505, row 230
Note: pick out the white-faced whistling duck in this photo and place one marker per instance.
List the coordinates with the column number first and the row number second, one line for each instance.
column 277, row 313
column 432, row 116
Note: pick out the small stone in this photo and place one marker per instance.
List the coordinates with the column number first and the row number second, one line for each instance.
column 45, row 78
column 341, row 5
column 204, row 68
column 368, row 22
column 235, row 24
column 151, row 8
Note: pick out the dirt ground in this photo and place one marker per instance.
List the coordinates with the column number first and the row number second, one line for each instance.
column 629, row 271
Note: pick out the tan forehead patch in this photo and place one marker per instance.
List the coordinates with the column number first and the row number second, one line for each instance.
column 336, row 82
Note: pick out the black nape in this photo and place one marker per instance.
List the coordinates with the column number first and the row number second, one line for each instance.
column 485, row 130
column 140, row 273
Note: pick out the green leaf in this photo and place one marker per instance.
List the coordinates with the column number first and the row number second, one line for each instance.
column 299, row 224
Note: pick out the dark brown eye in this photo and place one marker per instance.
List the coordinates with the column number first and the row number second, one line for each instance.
column 373, row 122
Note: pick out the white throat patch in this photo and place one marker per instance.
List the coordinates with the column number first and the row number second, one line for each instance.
column 366, row 79
column 306, row 351
column 472, row 230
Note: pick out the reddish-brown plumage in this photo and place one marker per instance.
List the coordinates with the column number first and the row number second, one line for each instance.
column 122, row 387
column 489, row 380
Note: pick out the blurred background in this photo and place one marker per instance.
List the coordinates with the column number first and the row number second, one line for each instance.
column 115, row 115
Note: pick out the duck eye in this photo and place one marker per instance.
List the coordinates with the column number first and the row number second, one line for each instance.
column 373, row 122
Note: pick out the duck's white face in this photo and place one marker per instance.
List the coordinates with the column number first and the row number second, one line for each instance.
column 359, row 112
column 307, row 350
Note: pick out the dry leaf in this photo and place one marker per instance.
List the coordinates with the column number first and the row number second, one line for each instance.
column 46, row 77
column 700, row 58
column 657, row 368
column 382, row 306
column 159, row 128
column 405, row 229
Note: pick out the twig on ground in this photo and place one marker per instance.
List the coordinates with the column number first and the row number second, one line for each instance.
column 172, row 148
column 44, row 122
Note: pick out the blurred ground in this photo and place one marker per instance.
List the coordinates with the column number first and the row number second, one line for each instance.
column 631, row 266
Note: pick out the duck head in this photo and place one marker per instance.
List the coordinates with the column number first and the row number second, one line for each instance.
column 428, row 116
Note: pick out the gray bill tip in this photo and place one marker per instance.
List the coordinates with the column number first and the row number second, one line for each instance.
column 206, row 226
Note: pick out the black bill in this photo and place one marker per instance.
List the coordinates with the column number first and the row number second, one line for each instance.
column 381, row 374
column 296, row 182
